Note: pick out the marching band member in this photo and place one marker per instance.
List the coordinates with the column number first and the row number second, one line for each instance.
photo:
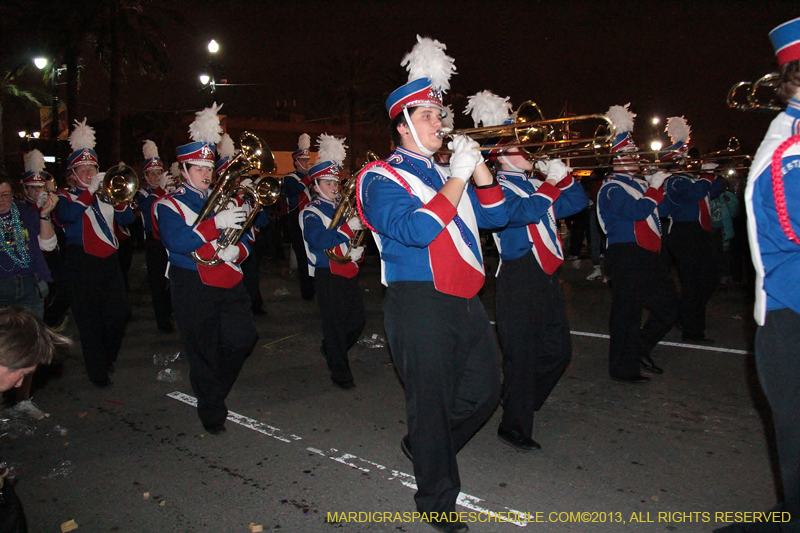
column 531, row 314
column 773, row 208
column 97, row 289
column 425, row 219
column 155, row 253
column 295, row 188
column 338, row 291
column 212, row 308
column 690, row 239
column 628, row 208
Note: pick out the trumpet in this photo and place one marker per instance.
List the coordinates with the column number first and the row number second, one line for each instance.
column 347, row 210
column 756, row 95
column 120, row 184
column 531, row 130
column 263, row 192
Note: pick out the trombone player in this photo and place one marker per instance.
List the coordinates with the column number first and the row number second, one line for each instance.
column 336, row 280
column 425, row 219
column 211, row 305
column 93, row 274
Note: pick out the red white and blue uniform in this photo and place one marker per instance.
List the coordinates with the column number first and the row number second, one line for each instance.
column 96, row 285
column 531, row 314
column 337, row 286
column 422, row 237
column 628, row 210
column 773, row 222
column 176, row 214
column 212, row 308
column 692, row 245
column 295, row 189
column 443, row 345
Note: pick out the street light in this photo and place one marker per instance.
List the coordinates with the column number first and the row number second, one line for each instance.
column 204, row 79
column 40, row 62
column 213, row 46
column 22, row 134
column 656, row 120
column 655, row 146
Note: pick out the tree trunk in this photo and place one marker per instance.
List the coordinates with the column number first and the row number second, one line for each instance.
column 71, row 61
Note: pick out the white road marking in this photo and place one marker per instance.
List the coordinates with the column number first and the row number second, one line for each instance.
column 676, row 344
column 464, row 500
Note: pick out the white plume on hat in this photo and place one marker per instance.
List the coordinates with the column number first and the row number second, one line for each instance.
column 225, row 148
column 82, row 136
column 488, row 109
column 34, row 161
column 428, row 60
column 447, row 118
column 331, row 149
column 149, row 150
column 678, row 129
column 622, row 117
column 205, row 127
column 304, row 142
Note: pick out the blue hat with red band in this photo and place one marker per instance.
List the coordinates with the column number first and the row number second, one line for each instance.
column 786, row 41
column 206, row 132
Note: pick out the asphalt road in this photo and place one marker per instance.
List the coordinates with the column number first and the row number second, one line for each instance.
column 667, row 456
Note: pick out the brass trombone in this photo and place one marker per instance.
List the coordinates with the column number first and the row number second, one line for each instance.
column 262, row 192
column 756, row 95
column 347, row 210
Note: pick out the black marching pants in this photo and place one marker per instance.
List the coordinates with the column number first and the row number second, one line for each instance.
column 156, row 259
column 639, row 280
column 12, row 516
column 299, row 247
column 343, row 317
column 693, row 249
column 217, row 334
column 445, row 352
column 100, row 306
column 534, row 334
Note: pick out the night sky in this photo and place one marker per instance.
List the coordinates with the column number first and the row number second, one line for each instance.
column 666, row 58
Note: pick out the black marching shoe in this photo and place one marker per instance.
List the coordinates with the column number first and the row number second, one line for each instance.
column 446, row 526
column 648, row 365
column 633, row 380
column 215, row 429
column 405, row 447
column 102, row 383
column 515, row 439
column 344, row 385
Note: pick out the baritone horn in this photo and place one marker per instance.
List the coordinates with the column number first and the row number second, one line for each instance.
column 260, row 193
column 120, row 184
column 347, row 210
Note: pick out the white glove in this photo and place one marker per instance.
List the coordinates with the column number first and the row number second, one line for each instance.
column 554, row 169
column 97, row 179
column 657, row 179
column 41, row 198
column 465, row 157
column 247, row 182
column 229, row 254
column 356, row 253
column 230, row 218
column 165, row 180
column 708, row 166
column 355, row 224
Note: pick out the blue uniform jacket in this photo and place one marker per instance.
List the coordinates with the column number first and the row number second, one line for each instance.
column 294, row 185
column 408, row 214
column 566, row 199
column 684, row 193
column 145, row 198
column 314, row 221
column 89, row 222
column 776, row 258
column 624, row 200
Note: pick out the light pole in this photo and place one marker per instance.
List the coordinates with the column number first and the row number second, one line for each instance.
column 41, row 63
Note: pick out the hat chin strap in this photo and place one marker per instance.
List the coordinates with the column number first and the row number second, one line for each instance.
column 506, row 161
column 414, row 134
column 319, row 191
